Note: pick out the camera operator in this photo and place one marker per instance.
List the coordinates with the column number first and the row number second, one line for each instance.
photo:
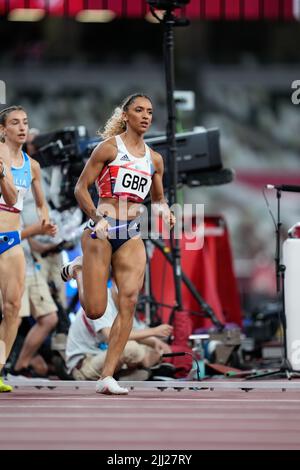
column 68, row 223
column 49, row 257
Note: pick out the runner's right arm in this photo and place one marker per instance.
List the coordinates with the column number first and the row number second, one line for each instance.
column 7, row 188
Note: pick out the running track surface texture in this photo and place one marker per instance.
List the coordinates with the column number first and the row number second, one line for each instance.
column 69, row 417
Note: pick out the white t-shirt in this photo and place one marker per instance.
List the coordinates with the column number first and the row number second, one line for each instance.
column 83, row 340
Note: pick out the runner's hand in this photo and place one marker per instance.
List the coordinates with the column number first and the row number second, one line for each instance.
column 101, row 229
column 47, row 228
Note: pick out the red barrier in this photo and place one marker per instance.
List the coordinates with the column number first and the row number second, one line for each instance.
column 211, row 271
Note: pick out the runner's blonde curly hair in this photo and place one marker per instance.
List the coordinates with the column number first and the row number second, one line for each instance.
column 116, row 124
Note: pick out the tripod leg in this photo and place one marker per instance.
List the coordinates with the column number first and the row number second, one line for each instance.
column 147, row 285
column 265, row 374
column 204, row 306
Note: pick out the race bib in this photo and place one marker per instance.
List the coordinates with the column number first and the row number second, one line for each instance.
column 132, row 182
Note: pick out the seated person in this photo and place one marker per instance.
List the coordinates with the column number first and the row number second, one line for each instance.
column 87, row 344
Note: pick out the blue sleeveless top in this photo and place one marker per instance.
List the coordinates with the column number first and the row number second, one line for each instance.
column 22, row 180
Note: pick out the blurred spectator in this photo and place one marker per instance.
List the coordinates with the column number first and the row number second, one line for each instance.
column 88, row 339
column 45, row 250
column 30, row 147
column 36, row 301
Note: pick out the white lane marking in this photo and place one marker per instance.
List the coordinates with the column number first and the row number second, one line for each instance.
column 125, row 416
column 150, row 400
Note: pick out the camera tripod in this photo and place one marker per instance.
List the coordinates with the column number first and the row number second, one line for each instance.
column 151, row 303
column 285, row 369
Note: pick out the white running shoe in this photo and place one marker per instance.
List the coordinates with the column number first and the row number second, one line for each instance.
column 109, row 386
column 67, row 270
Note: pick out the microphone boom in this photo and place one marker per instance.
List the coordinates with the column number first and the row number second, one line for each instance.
column 284, row 187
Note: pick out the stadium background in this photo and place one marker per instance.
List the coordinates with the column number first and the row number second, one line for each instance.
column 239, row 58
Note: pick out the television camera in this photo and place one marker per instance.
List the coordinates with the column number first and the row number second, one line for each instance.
column 63, row 153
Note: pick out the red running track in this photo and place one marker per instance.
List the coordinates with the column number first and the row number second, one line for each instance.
column 150, row 419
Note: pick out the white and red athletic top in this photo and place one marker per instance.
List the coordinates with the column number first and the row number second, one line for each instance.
column 127, row 176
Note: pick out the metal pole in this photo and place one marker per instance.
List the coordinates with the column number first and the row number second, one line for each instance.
column 168, row 23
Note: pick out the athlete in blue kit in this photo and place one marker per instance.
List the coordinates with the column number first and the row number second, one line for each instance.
column 18, row 172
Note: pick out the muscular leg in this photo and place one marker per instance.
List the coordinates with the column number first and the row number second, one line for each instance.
column 35, row 337
column 136, row 354
column 151, row 358
column 128, row 266
column 92, row 280
column 12, row 276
